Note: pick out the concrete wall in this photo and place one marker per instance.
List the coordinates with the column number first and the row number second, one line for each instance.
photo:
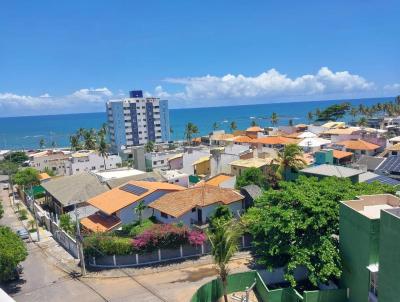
column 389, row 258
column 358, row 240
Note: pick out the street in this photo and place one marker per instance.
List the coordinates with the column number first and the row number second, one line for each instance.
column 46, row 278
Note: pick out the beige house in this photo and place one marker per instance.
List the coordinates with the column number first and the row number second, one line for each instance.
column 238, row 166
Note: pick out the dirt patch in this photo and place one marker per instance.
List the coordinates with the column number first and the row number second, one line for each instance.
column 194, row 275
column 238, row 297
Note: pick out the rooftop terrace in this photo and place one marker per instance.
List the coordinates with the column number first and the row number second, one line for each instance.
column 371, row 205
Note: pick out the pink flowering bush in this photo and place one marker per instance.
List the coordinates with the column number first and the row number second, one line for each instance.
column 166, row 236
column 196, row 237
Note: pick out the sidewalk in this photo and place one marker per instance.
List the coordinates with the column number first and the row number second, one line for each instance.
column 47, row 243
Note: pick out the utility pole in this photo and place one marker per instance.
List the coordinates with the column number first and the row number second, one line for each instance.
column 79, row 242
column 34, row 214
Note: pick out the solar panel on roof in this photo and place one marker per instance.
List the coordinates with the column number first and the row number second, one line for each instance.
column 136, row 190
column 392, row 164
column 150, row 179
column 384, row 180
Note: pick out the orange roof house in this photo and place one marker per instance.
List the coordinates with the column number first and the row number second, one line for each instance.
column 118, row 198
column 43, row 176
column 253, row 131
column 358, row 145
column 192, row 201
column 99, row 222
column 341, row 154
column 275, row 140
column 242, row 139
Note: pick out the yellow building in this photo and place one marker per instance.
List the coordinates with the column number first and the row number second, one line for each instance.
column 238, row 166
column 202, row 166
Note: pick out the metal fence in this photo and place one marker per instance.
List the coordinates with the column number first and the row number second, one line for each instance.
column 158, row 256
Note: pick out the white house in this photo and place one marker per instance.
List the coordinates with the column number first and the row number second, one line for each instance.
column 117, row 206
column 175, row 177
column 90, row 160
column 196, row 205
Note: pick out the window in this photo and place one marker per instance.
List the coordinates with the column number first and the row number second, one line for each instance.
column 77, row 170
column 164, row 215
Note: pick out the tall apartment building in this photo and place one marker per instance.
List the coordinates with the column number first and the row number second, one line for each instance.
column 136, row 120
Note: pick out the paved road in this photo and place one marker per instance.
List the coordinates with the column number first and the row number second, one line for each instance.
column 45, row 279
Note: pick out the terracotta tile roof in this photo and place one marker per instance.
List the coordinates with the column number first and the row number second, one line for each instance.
column 196, row 140
column 341, row 154
column 358, row 145
column 243, row 139
column 178, row 203
column 341, row 131
column 254, row 129
column 222, row 136
column 218, row 179
column 254, row 162
column 117, row 199
column 98, row 222
column 275, row 140
column 43, row 176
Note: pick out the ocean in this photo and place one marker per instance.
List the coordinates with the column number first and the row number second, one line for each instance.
column 26, row 132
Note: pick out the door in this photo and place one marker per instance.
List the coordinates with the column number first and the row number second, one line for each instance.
column 199, row 215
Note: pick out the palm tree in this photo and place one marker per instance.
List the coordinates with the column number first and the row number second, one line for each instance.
column 290, row 123
column 290, row 160
column 53, row 144
column 139, row 210
column 274, row 119
column 89, row 137
column 224, row 244
column 42, row 143
column 215, row 126
column 397, row 100
column 310, row 116
column 233, row 126
column 149, row 147
column 317, row 113
column 75, row 144
column 103, row 150
column 353, row 112
column 362, row 122
column 253, row 123
column 190, row 129
column 103, row 130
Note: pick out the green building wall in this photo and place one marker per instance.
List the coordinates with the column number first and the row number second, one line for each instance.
column 359, row 244
column 389, row 258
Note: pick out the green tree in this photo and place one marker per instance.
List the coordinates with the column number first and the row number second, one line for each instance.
column 224, row 244
column 274, row 119
column 102, row 148
column 17, row 157
column 89, row 138
column 31, row 225
column 333, row 112
column 42, row 143
column 190, row 130
column 290, row 160
column 26, row 177
column 8, row 167
column 12, row 252
column 397, row 100
column 253, row 123
column 102, row 131
column 53, row 144
column 298, row 225
column 310, row 116
column 362, row 122
column 222, row 213
column 215, row 126
column 139, row 209
column 353, row 112
column 251, row 176
column 149, row 147
column 67, row 224
column 233, row 126
column 75, row 143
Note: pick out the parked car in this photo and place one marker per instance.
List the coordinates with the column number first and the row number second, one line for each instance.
column 5, row 186
column 22, row 233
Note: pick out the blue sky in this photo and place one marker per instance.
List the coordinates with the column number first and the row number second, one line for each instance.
column 70, row 56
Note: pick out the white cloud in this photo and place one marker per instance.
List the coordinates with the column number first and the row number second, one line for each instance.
column 392, row 89
column 267, row 86
column 209, row 90
column 83, row 100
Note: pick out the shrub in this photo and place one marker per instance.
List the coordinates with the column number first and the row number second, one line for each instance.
column 134, row 229
column 23, row 214
column 196, row 237
column 101, row 245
